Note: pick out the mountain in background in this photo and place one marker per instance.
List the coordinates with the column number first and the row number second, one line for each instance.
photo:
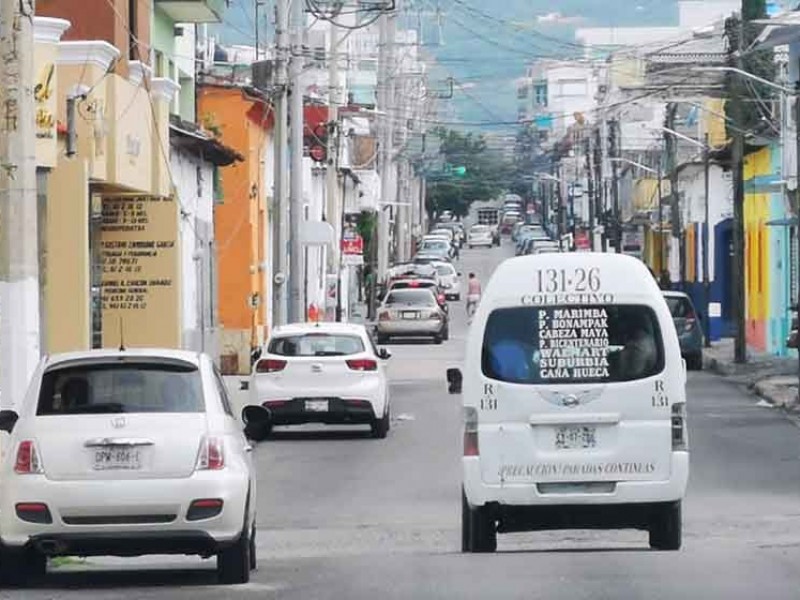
column 485, row 46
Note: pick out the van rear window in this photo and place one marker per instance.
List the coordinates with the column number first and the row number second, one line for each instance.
column 572, row 344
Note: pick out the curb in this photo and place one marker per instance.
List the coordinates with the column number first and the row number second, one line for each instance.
column 778, row 395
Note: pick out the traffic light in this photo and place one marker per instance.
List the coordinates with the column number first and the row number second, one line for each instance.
column 460, row 171
column 316, row 141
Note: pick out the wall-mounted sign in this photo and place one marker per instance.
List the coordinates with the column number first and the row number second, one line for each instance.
column 42, row 94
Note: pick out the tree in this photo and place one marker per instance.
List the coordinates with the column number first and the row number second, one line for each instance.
column 485, row 173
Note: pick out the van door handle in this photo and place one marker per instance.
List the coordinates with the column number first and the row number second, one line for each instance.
column 248, row 448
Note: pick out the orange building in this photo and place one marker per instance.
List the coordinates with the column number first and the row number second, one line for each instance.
column 242, row 120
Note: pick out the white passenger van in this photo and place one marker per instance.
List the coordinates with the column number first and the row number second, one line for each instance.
column 574, row 402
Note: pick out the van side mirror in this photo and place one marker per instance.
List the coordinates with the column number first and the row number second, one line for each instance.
column 384, row 354
column 455, row 381
column 8, row 418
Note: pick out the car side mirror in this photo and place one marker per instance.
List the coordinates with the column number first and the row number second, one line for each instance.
column 256, row 419
column 454, row 381
column 384, row 354
column 8, row 418
column 244, row 385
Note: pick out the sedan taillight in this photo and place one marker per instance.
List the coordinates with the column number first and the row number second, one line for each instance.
column 270, row 365
column 211, row 456
column 27, row 461
column 362, row 364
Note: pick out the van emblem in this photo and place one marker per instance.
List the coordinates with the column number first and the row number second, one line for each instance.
column 118, row 422
column 572, row 400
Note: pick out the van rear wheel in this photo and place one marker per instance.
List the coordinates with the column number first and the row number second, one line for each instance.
column 478, row 528
column 666, row 527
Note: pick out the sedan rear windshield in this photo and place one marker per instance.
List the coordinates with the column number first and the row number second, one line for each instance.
column 131, row 387
column 572, row 344
column 316, row 344
column 680, row 308
column 411, row 296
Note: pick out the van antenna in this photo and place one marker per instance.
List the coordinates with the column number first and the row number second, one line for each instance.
column 121, row 336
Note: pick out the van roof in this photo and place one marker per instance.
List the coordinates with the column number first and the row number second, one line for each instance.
column 618, row 274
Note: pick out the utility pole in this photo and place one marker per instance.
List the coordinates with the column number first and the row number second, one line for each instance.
column 281, row 181
column 601, row 204
column 707, row 233
column 19, row 239
column 614, row 151
column 737, row 167
column 333, row 211
column 386, row 112
column 296, row 124
column 661, row 257
column 676, row 225
column 590, row 189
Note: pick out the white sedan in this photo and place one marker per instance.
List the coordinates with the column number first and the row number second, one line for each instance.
column 126, row 453
column 480, row 235
column 447, row 277
column 329, row 373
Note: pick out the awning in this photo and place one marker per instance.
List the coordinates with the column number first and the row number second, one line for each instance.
column 782, row 30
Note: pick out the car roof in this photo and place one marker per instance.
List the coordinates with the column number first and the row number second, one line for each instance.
column 320, row 327
column 102, row 354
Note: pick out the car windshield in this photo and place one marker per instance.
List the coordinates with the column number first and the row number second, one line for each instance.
column 127, row 387
column 316, row 344
column 436, row 245
column 572, row 344
column 422, row 297
column 680, row 307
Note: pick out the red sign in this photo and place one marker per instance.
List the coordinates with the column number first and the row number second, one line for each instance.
column 353, row 245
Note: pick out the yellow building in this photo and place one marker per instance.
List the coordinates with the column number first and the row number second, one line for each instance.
column 111, row 220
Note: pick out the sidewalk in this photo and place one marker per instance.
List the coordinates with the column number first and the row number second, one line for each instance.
column 773, row 378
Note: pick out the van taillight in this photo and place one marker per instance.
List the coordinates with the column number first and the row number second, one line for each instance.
column 362, row 364
column 27, row 461
column 471, row 431
column 680, row 439
column 270, row 365
column 211, row 456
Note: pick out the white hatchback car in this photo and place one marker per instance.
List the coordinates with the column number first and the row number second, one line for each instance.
column 329, row 373
column 126, row 453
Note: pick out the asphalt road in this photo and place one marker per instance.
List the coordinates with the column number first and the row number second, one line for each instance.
column 343, row 516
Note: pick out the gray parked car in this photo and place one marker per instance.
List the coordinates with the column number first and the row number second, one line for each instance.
column 690, row 331
column 412, row 312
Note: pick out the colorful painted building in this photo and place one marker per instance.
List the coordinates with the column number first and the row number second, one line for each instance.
column 768, row 259
column 242, row 120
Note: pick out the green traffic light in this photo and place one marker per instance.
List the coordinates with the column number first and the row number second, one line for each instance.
column 460, row 171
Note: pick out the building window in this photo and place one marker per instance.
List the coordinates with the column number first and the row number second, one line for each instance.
column 522, row 92
column 133, row 30
column 540, row 94
column 572, row 87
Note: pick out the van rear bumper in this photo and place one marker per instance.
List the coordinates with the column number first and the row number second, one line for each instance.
column 625, row 492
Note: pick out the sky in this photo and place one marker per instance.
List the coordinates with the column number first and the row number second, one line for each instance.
column 485, row 45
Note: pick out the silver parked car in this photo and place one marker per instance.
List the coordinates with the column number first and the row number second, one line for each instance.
column 412, row 312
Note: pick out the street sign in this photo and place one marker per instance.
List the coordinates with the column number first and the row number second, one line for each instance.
column 353, row 245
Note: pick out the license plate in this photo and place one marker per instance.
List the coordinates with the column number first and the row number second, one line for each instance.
column 410, row 315
column 578, row 437
column 121, row 459
column 316, row 405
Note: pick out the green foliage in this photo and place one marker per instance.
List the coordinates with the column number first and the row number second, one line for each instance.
column 477, row 173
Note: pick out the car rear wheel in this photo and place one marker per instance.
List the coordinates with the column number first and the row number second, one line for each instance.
column 22, row 567
column 478, row 528
column 380, row 427
column 666, row 527
column 233, row 563
column 437, row 339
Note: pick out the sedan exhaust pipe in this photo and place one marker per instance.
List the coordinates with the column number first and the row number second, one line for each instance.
column 50, row 547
